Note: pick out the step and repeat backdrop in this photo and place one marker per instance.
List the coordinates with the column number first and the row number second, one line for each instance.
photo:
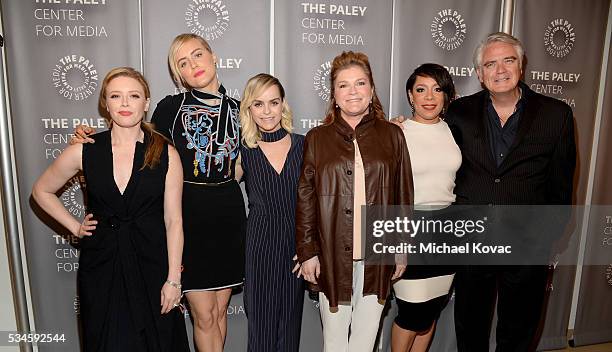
column 58, row 52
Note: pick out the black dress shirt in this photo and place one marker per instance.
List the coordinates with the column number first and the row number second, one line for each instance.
column 502, row 137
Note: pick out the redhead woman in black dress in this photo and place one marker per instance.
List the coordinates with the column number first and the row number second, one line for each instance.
column 132, row 237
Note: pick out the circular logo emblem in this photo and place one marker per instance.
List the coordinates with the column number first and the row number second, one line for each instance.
column 559, row 38
column 609, row 274
column 321, row 80
column 76, row 304
column 72, row 197
column 448, row 29
column 207, row 18
column 315, row 304
column 75, row 77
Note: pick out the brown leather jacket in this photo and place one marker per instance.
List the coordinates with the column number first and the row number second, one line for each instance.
column 324, row 217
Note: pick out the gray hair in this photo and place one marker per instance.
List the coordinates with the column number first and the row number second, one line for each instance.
column 498, row 37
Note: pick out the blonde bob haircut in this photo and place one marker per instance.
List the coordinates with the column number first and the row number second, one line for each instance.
column 253, row 89
column 177, row 43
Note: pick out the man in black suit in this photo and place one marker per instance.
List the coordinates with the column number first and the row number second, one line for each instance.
column 518, row 148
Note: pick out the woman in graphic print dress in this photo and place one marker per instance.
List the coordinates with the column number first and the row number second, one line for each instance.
column 203, row 125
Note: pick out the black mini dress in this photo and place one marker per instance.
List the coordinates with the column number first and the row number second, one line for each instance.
column 207, row 138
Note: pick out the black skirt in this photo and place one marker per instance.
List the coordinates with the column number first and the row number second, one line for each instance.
column 419, row 316
column 214, row 223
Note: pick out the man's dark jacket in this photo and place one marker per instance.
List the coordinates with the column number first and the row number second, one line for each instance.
column 538, row 168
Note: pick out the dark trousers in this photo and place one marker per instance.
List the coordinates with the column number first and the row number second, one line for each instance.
column 520, row 293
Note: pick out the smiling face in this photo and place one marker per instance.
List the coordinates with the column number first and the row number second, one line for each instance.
column 352, row 92
column 196, row 66
column 266, row 110
column 126, row 101
column 500, row 70
column 428, row 100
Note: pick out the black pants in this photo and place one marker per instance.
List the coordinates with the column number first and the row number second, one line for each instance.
column 520, row 292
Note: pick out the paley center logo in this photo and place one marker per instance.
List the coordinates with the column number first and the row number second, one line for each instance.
column 72, row 197
column 75, row 77
column 448, row 29
column 559, row 38
column 320, row 80
column 207, row 18
column 76, row 305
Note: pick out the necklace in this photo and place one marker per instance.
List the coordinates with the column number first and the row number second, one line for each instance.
column 273, row 136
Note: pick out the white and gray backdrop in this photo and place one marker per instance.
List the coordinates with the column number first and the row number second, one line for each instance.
column 58, row 51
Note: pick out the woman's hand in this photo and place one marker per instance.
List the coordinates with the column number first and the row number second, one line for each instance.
column 173, row 221
column 311, row 269
column 238, row 171
column 86, row 227
column 297, row 268
column 398, row 120
column 170, row 296
column 81, row 135
column 399, row 271
column 401, row 260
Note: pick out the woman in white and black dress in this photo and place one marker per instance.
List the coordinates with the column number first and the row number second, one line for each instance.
column 423, row 290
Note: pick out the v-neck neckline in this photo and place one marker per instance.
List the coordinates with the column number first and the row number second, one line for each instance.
column 112, row 159
column 284, row 162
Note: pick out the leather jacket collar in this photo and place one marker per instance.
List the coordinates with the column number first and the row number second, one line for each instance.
column 343, row 128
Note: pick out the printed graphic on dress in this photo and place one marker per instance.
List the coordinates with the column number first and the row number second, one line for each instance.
column 214, row 142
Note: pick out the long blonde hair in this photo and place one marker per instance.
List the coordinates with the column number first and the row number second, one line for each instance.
column 157, row 141
column 178, row 41
column 253, row 89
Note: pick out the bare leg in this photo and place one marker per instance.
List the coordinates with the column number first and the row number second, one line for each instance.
column 205, row 313
column 223, row 297
column 422, row 340
column 401, row 339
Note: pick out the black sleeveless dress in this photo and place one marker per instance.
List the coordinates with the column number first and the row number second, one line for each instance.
column 207, row 138
column 124, row 264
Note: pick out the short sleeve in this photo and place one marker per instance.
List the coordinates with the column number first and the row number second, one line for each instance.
column 164, row 115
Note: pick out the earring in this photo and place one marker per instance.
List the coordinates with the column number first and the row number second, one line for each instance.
column 412, row 107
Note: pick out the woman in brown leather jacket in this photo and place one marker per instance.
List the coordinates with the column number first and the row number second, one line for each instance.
column 355, row 158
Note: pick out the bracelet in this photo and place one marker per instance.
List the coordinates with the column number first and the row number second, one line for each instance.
column 174, row 284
